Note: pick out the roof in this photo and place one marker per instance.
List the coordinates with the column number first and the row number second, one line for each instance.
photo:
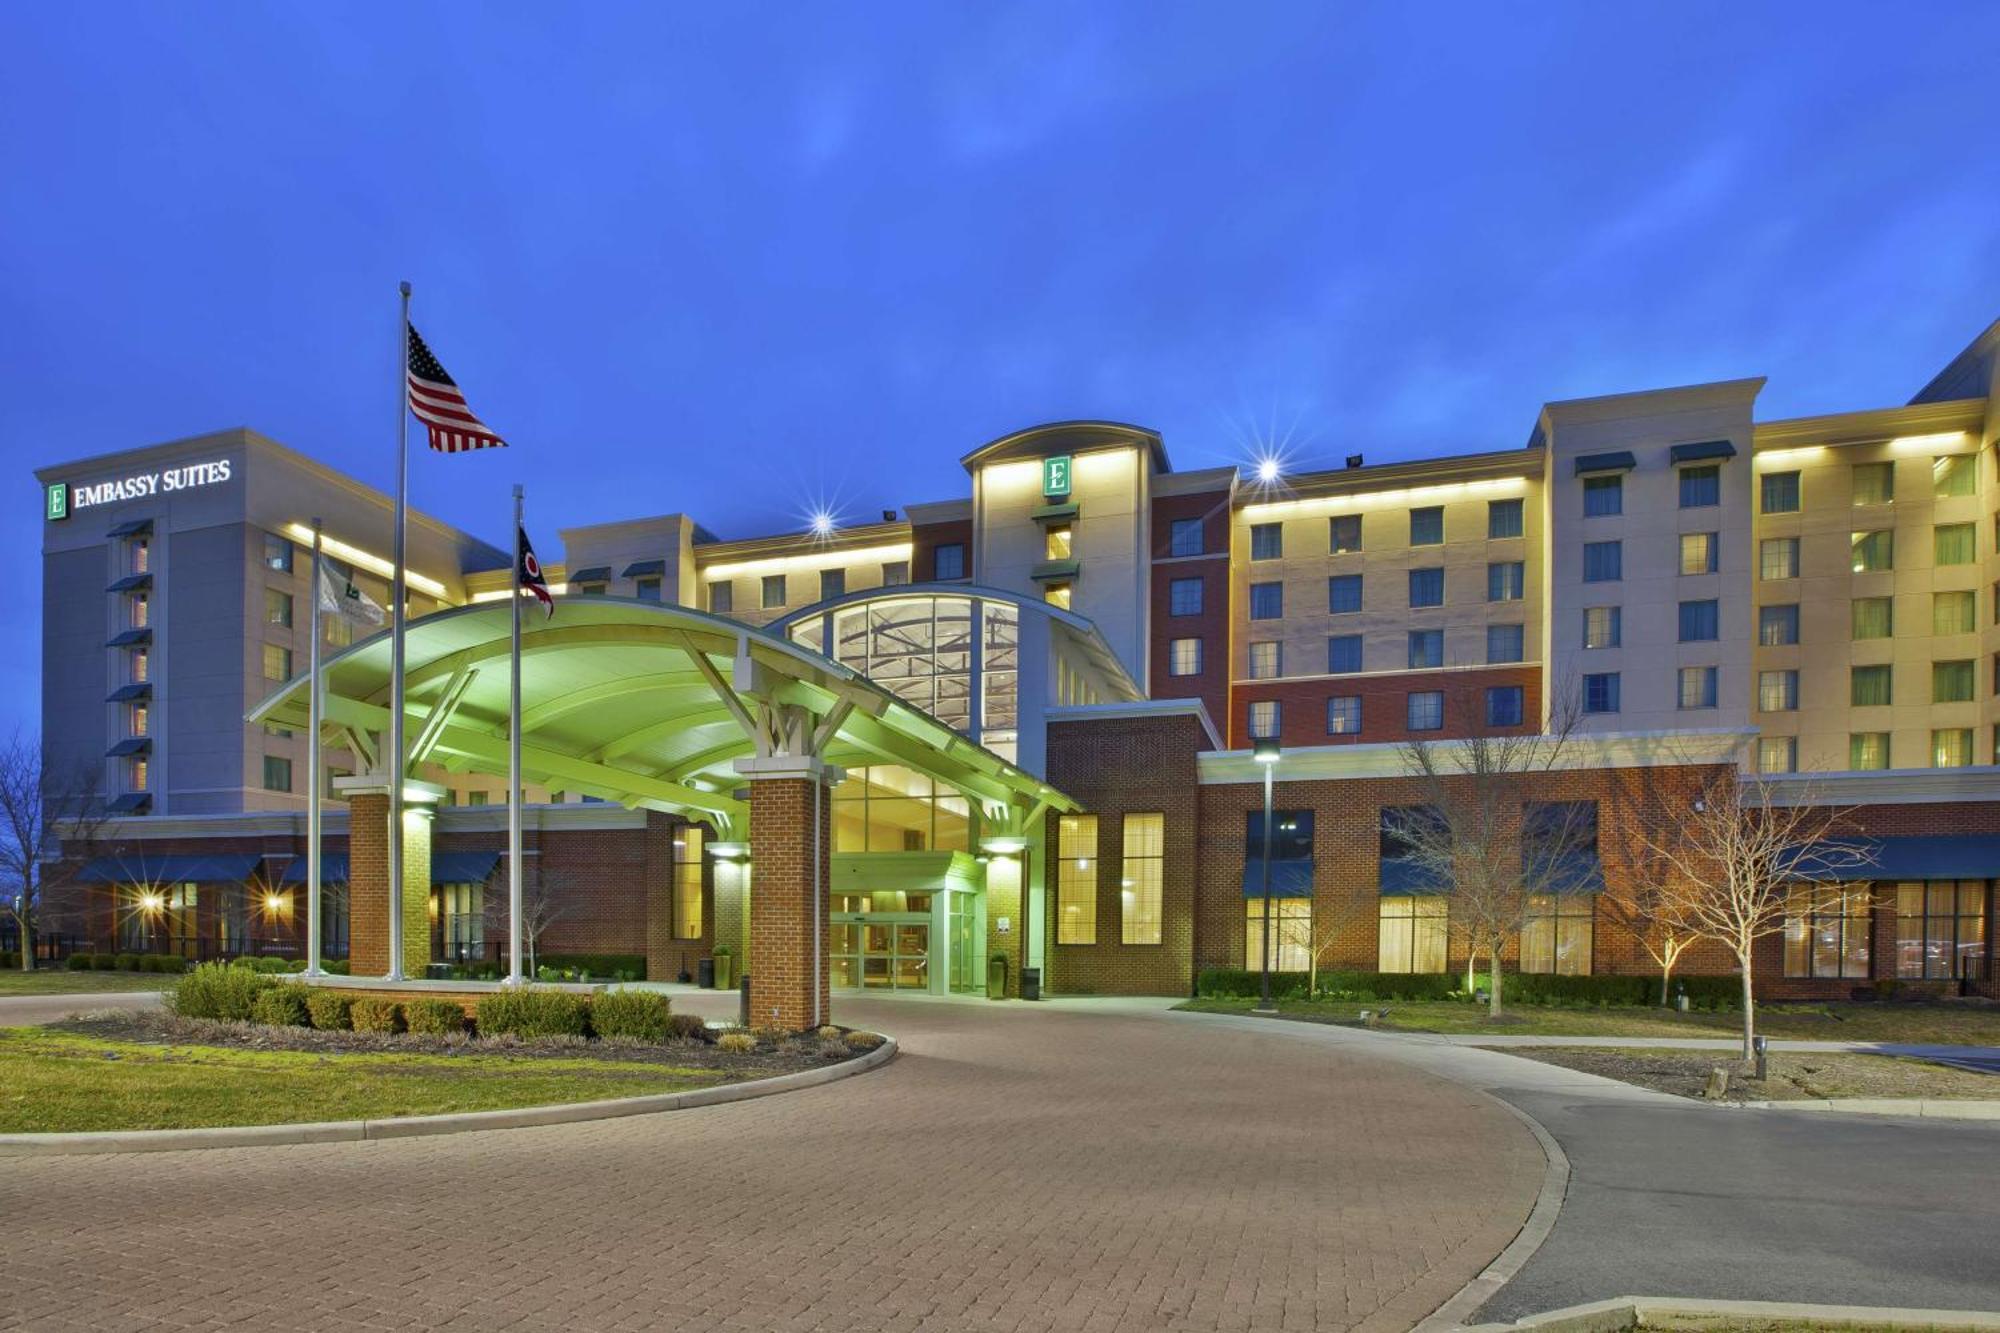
column 636, row 702
column 1069, row 437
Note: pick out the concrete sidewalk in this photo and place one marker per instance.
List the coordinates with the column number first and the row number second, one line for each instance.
column 33, row 1010
column 1919, row 1050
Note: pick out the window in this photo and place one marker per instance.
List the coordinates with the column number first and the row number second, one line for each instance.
column 1291, row 933
column 1184, row 657
column 1778, row 558
column 1267, row 601
column 1059, row 542
column 1504, row 705
column 1699, row 552
column 1601, row 626
column 1953, row 543
column 1874, row 617
column 1697, row 687
column 1777, row 691
column 478, row 797
column 1503, row 518
column 1267, row 541
column 1600, row 692
column 1427, row 526
column 722, row 597
column 1873, row 551
column 1076, row 879
column 1343, row 534
column 1411, row 933
column 593, row 589
column 1343, row 654
column 1951, row 682
column 139, row 607
column 1506, row 581
column 1778, row 625
column 1603, row 496
column 1184, row 597
column 282, row 733
column 1826, row 930
column 895, row 573
column 1951, row 747
column 1187, row 537
column 1954, row 474
column 461, row 921
column 1700, row 620
column 1426, row 648
column 1427, row 587
column 1952, row 612
column 1057, row 594
column 277, row 662
column 139, row 718
column 648, row 590
column 277, row 553
column 1139, row 891
column 277, row 773
column 1505, row 643
column 1780, row 493
column 948, row 561
column 1941, row 928
column 1264, row 719
column 1603, row 562
column 1701, row 486
column 1556, row 934
column 832, row 583
column 1868, row 686
column 1778, row 754
column 689, row 843
column 1425, row 710
column 142, row 666
column 277, row 608
column 137, row 773
column 774, row 591
column 1343, row 594
column 1868, row 749
column 1343, row 715
column 1266, row 660
column 140, row 554
column 1874, row 483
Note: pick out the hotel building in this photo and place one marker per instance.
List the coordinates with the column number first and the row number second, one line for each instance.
column 1017, row 723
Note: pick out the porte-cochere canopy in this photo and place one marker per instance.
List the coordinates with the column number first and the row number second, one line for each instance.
column 640, row 703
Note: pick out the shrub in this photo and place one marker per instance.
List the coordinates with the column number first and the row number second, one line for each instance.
column 736, row 1043
column 435, row 1016
column 81, row 962
column 687, row 1027
column 128, row 962
column 106, row 962
column 631, row 1013
column 828, row 1033
column 331, row 1010
column 172, row 962
column 864, row 1041
column 373, row 1013
column 597, row 964
column 153, row 962
column 283, row 1006
column 532, row 1012
column 10, row 957
column 246, row 962
column 215, row 991
column 336, row 968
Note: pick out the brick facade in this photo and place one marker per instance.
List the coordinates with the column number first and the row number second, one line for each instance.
column 1211, row 626
column 368, row 904
column 788, row 903
column 1302, row 704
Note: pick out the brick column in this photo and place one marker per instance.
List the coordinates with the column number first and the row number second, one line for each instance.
column 368, row 886
column 787, row 990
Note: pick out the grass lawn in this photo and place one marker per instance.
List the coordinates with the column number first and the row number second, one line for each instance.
column 1961, row 1025
column 62, row 981
column 55, row 1081
column 1794, row 1076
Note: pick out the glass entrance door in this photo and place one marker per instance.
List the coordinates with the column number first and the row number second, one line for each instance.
column 880, row 941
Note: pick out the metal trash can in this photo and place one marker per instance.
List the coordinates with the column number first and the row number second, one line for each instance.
column 704, row 973
column 725, row 970
column 1031, row 983
column 996, row 977
column 437, row 971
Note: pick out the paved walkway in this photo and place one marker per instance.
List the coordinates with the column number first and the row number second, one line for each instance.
column 26, row 1010
column 1092, row 1166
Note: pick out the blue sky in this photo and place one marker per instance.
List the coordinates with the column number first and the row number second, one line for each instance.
column 733, row 259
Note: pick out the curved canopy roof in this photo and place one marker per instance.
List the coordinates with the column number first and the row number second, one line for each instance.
column 640, row 703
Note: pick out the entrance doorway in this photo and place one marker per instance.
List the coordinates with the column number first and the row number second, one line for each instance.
column 880, row 941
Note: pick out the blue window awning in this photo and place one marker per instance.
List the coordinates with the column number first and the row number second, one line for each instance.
column 1400, row 877
column 1289, row 879
column 137, row 690
column 137, row 527
column 462, row 867
column 131, row 745
column 645, row 569
column 131, row 583
column 1621, row 461
column 128, row 637
column 1705, row 452
column 591, row 574
column 170, row 868
column 1930, row 856
column 332, row 869
column 132, row 803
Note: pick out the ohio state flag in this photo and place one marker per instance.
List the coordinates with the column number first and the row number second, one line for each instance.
column 529, row 570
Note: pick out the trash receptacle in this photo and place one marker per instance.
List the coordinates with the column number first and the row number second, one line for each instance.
column 1031, row 983
column 704, row 973
column 437, row 971
column 725, row 969
column 996, row 977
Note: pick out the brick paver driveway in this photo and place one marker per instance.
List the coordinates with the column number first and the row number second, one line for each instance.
column 1084, row 1165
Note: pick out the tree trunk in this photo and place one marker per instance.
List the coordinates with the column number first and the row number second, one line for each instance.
column 1666, row 975
column 25, row 934
column 1749, row 1009
column 1471, row 964
column 1493, row 976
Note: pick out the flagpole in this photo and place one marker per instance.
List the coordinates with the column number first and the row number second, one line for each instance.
column 313, row 767
column 514, row 924
column 398, row 592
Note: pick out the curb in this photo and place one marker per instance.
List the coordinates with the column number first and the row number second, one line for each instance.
column 1932, row 1108
column 423, row 1126
column 1625, row 1312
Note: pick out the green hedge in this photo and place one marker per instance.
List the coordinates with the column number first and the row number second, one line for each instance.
column 215, row 991
column 631, row 1013
column 331, row 1010
column 1704, row 992
column 435, row 1017
column 373, row 1013
column 623, row 966
column 533, row 1012
column 81, row 962
column 284, row 1005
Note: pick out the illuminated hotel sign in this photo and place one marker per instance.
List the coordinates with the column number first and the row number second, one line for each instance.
column 65, row 499
column 1055, row 477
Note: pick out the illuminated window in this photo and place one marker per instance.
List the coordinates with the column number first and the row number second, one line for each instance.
column 140, row 719
column 1874, row 483
column 890, row 808
column 277, row 553
column 1778, row 558
column 1778, row 754
column 1778, row 691
column 142, row 666
column 1700, row 552
column 339, row 630
column 1954, row 543
column 1343, row 715
column 1952, row 612
column 1697, row 687
column 1184, row 657
column 689, row 841
column 1343, row 534
column 895, row 573
column 1057, row 595
column 1601, row 626
column 277, row 662
column 1941, row 928
column 1954, row 475
column 138, row 772
column 1556, row 937
column 1826, row 931
column 277, row 608
column 1266, row 660
column 140, row 608
column 141, row 554
column 1076, row 879
column 1506, row 581
column 1410, row 933
column 1873, row 617
column 1868, row 749
column 1263, row 719
column 1873, row 551
column 1058, row 542
column 1139, row 893
column 1951, row 747
column 1291, row 934
column 462, row 921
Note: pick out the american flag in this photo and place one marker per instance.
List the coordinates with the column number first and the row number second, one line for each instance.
column 435, row 398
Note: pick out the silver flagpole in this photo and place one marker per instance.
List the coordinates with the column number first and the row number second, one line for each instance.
column 399, row 593
column 313, row 767
column 514, row 977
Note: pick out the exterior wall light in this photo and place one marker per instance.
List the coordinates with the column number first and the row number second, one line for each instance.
column 152, row 902
column 729, row 851
column 1003, row 846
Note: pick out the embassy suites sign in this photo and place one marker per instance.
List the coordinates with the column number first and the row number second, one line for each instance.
column 65, row 498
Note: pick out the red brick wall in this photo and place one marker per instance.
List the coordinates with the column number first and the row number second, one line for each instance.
column 368, row 885
column 925, row 538
column 1384, row 704
column 1212, row 625
column 786, row 898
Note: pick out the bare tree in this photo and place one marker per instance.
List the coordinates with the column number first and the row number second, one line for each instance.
column 546, row 898
column 1332, row 918
column 39, row 811
column 1645, row 910
column 1737, row 852
column 1481, row 836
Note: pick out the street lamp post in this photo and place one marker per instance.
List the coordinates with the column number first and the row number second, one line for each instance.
column 1265, row 751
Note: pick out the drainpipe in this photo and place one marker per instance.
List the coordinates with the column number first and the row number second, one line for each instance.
column 819, row 900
